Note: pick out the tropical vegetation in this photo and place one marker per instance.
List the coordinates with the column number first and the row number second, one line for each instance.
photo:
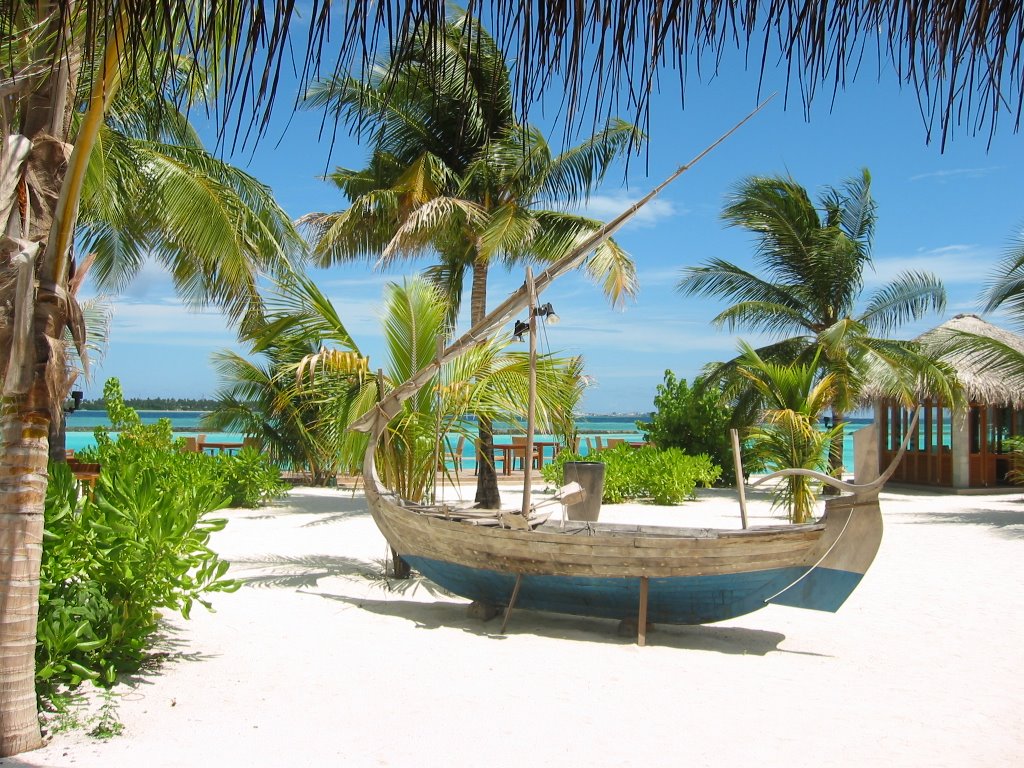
column 312, row 380
column 662, row 476
column 787, row 436
column 97, row 157
column 695, row 420
column 183, row 404
column 137, row 543
column 453, row 174
column 44, row 44
column 814, row 260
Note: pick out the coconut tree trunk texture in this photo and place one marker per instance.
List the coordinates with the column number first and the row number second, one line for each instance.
column 24, row 430
column 49, row 189
column 487, row 495
column 24, row 439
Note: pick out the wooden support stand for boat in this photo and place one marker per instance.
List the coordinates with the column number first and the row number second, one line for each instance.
column 512, row 601
column 641, row 619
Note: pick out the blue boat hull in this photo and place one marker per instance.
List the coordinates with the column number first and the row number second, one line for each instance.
column 671, row 600
column 690, row 575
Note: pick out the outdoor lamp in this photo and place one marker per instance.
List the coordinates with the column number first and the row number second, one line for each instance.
column 520, row 329
column 76, row 401
column 548, row 313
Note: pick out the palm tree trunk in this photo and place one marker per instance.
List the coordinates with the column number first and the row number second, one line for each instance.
column 58, row 440
column 487, row 495
column 24, row 432
column 27, row 410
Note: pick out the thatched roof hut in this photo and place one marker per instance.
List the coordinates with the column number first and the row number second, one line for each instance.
column 989, row 361
column 966, row 446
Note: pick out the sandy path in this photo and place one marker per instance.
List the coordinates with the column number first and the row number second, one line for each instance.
column 316, row 664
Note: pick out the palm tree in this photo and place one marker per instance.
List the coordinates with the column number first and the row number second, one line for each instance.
column 788, row 435
column 809, row 297
column 97, row 158
column 453, row 174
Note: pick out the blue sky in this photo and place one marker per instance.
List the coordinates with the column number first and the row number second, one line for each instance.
column 953, row 213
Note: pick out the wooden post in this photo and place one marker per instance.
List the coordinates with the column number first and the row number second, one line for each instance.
column 511, row 602
column 738, row 462
column 531, row 396
column 439, row 439
column 641, row 619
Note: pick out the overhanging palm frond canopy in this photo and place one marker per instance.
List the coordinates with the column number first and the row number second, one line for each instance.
column 962, row 59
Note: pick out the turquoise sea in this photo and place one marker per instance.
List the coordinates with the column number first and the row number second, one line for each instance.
column 186, row 424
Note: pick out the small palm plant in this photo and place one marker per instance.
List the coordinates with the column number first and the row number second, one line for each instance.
column 788, row 435
column 487, row 380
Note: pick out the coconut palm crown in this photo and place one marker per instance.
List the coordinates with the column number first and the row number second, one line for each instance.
column 809, row 295
column 452, row 175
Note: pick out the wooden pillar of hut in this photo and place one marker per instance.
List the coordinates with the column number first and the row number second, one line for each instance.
column 867, row 449
column 960, row 447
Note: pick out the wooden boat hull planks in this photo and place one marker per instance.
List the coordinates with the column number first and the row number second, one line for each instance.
column 695, row 576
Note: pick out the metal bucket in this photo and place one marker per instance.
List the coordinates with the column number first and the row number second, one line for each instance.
column 590, row 476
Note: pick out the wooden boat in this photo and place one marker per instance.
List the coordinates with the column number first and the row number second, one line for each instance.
column 641, row 573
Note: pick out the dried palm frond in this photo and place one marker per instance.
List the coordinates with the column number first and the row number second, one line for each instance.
column 962, row 59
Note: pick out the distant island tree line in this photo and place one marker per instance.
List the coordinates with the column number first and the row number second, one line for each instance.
column 154, row 404
column 203, row 404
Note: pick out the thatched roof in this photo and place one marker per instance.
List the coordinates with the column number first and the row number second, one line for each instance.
column 989, row 361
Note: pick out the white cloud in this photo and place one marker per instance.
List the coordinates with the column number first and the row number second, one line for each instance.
column 169, row 322
column 953, row 264
column 970, row 173
column 606, row 207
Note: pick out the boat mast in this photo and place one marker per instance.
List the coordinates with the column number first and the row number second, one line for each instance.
column 531, row 397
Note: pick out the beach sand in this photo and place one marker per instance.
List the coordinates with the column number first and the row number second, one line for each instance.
column 319, row 661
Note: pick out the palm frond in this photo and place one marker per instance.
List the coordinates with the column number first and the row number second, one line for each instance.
column 576, row 171
column 1006, row 286
column 909, row 297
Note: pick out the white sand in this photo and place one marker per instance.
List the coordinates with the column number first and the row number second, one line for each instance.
column 315, row 664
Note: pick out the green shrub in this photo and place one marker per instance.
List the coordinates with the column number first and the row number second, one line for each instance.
column 694, row 421
column 110, row 562
column 140, row 544
column 664, row 476
column 243, row 480
column 1015, row 447
column 250, row 478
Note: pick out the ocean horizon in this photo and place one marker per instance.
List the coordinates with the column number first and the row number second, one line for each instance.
column 81, row 425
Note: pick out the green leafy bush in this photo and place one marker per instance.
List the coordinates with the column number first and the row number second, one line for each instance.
column 250, row 479
column 692, row 420
column 111, row 561
column 664, row 476
column 1015, row 447
column 243, row 480
column 139, row 545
